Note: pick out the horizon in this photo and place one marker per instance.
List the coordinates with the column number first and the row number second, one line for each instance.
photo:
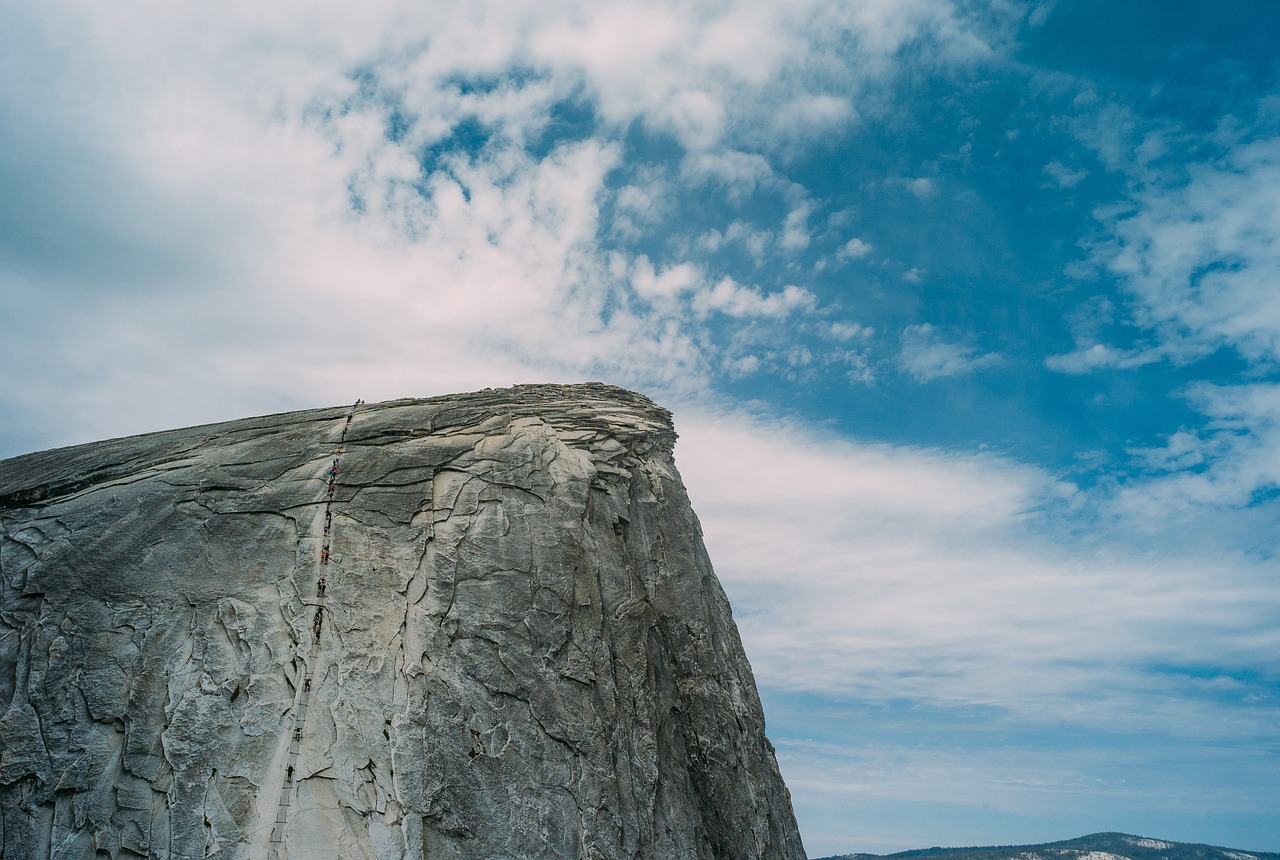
column 966, row 311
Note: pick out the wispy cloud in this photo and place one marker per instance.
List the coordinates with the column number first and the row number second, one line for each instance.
column 1096, row 356
column 1199, row 255
column 926, row 355
column 951, row 581
column 1063, row 176
column 735, row 300
column 1232, row 462
column 1196, row 249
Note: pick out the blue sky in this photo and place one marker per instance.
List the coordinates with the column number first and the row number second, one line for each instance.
column 968, row 311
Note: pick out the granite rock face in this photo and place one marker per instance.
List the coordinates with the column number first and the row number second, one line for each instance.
column 471, row 627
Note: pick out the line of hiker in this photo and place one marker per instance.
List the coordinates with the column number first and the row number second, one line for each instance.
column 322, row 583
column 317, row 627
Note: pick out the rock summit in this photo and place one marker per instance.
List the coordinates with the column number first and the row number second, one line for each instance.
column 463, row 628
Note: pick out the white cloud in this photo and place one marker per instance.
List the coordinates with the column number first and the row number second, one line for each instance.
column 668, row 284
column 742, row 366
column 922, row 187
column 854, row 249
column 1225, row 464
column 1086, row 358
column 739, row 173
column 1063, row 176
column 891, row 573
column 795, row 231
column 732, row 299
column 1201, row 258
column 926, row 356
column 1196, row 249
column 754, row 241
column 1040, row 13
column 849, row 331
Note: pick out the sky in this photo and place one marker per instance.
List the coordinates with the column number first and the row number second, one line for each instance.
column 968, row 312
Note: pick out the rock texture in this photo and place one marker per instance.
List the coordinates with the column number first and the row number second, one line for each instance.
column 519, row 648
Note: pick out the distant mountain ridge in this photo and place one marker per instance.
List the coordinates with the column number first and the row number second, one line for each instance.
column 1097, row 846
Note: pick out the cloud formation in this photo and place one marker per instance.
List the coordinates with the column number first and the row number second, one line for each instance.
column 1195, row 249
column 1198, row 256
column 925, row 355
column 445, row 180
column 913, row 572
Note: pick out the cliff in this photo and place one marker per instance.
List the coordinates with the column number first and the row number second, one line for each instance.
column 475, row 626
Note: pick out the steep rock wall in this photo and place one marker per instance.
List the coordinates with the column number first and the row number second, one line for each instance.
column 477, row 626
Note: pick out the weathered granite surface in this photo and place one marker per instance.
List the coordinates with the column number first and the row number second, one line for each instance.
column 522, row 651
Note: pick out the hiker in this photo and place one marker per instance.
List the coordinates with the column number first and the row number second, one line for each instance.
column 321, row 586
column 288, row 773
